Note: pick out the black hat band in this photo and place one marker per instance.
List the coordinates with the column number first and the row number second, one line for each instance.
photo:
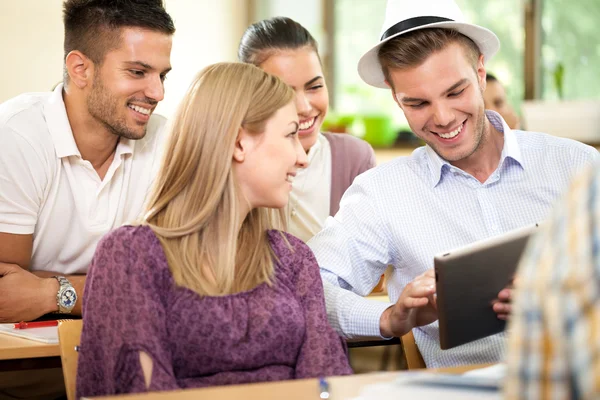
column 412, row 23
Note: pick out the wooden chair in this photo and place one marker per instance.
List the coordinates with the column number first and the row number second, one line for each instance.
column 414, row 360
column 69, row 335
column 380, row 287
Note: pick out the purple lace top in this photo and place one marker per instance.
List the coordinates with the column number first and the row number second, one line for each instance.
column 131, row 304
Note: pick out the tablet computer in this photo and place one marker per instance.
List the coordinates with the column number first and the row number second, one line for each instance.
column 468, row 280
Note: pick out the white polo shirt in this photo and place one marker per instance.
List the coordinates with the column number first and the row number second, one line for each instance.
column 48, row 190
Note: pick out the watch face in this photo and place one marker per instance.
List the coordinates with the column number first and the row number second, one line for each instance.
column 68, row 298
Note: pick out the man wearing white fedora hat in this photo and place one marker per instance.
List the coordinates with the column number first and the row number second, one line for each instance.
column 474, row 179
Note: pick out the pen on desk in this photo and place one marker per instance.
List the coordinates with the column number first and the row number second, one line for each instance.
column 39, row 324
column 323, row 389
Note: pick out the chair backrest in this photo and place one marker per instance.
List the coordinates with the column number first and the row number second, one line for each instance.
column 69, row 336
column 380, row 287
column 414, row 360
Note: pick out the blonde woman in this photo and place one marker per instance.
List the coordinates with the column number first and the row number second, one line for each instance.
column 203, row 292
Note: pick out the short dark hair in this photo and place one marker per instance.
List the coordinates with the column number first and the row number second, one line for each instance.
column 94, row 26
column 412, row 49
column 264, row 38
column 490, row 77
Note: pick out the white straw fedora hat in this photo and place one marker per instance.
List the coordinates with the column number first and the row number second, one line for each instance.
column 403, row 16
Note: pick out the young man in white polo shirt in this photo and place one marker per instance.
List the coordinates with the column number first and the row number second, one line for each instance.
column 78, row 162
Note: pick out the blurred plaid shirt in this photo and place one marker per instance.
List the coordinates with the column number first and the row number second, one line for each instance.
column 554, row 339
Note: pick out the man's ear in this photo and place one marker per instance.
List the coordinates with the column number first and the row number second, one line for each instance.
column 80, row 69
column 481, row 73
column 241, row 146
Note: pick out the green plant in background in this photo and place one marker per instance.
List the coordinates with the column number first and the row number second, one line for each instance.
column 366, row 113
column 337, row 123
column 379, row 130
column 558, row 74
column 570, row 38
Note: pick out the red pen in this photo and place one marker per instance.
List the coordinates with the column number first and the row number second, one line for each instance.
column 39, row 324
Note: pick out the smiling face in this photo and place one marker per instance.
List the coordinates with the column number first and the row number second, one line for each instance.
column 301, row 69
column 443, row 102
column 128, row 84
column 266, row 165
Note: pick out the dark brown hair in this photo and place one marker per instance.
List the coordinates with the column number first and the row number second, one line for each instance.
column 94, row 26
column 264, row 38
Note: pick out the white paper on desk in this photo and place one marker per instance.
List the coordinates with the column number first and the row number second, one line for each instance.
column 427, row 385
column 496, row 372
column 490, row 378
column 47, row 334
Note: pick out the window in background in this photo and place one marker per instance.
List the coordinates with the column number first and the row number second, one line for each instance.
column 506, row 19
column 570, row 42
column 309, row 13
column 357, row 27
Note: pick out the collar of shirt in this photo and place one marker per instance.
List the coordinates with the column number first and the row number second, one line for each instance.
column 315, row 147
column 60, row 129
column 509, row 150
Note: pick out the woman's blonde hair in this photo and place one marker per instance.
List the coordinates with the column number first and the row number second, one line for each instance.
column 194, row 205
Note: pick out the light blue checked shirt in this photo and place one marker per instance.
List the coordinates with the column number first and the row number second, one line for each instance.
column 404, row 212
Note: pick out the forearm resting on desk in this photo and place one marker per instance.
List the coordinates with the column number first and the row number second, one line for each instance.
column 27, row 296
column 78, row 282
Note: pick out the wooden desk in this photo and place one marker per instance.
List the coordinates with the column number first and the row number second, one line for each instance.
column 343, row 387
column 19, row 354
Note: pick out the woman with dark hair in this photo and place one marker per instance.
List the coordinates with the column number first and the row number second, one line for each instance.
column 284, row 48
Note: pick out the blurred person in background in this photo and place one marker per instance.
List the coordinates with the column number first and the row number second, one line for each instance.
column 494, row 98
